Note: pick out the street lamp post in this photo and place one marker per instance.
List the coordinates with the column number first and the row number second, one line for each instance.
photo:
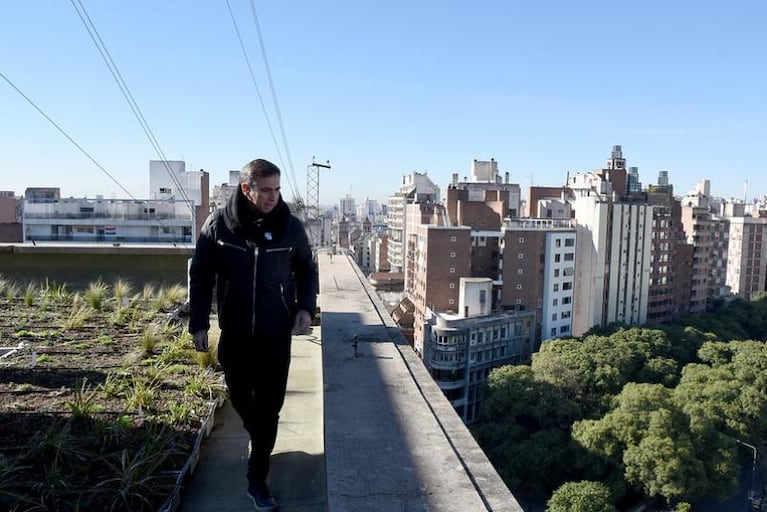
column 751, row 496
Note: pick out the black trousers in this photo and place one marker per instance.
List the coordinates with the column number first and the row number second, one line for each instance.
column 256, row 372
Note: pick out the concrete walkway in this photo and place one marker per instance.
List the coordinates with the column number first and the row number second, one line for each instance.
column 298, row 462
column 364, row 427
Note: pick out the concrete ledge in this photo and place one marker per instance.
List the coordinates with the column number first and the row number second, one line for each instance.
column 97, row 248
column 392, row 440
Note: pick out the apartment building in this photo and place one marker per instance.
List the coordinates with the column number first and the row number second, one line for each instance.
column 174, row 213
column 698, row 223
column 460, row 349
column 614, row 249
column 535, row 194
column 189, row 190
column 415, row 188
column 747, row 256
column 538, row 273
column 10, row 217
column 437, row 258
column 670, row 258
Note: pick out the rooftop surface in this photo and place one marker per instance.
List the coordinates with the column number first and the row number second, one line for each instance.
column 364, row 427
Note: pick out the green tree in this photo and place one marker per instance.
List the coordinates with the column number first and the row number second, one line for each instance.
column 650, row 436
column 584, row 496
column 524, row 430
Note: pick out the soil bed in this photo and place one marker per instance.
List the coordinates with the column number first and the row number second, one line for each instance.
column 101, row 399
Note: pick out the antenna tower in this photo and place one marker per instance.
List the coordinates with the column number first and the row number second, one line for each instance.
column 313, row 221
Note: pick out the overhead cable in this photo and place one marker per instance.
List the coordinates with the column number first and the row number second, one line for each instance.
column 274, row 96
column 74, row 142
column 114, row 70
column 260, row 98
column 65, row 134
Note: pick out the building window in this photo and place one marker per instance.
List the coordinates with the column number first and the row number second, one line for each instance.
column 555, row 302
column 566, row 300
column 553, row 331
column 557, row 243
column 569, row 242
column 554, row 317
column 556, row 272
column 569, row 256
column 567, row 286
column 556, row 287
column 565, row 314
column 564, row 329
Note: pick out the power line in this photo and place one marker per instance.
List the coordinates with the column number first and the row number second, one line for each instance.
column 65, row 134
column 74, row 142
column 260, row 98
column 274, row 94
column 115, row 72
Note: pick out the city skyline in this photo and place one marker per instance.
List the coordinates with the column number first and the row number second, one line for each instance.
column 384, row 90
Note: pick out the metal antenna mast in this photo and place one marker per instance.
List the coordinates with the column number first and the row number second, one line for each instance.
column 313, row 220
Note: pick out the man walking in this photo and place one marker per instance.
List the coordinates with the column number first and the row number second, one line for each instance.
column 258, row 257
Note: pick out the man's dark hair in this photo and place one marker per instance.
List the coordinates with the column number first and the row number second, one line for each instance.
column 256, row 169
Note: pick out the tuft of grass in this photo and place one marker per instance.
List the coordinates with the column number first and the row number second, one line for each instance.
column 207, row 359
column 114, row 385
column 76, row 319
column 43, row 358
column 133, row 477
column 176, row 294
column 60, row 294
column 141, row 394
column 95, row 294
column 29, row 294
column 121, row 315
column 11, row 291
column 83, row 403
column 122, row 288
column 149, row 340
column 105, row 340
column 179, row 413
column 147, row 293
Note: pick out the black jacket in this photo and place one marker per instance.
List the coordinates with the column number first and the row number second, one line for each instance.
column 261, row 265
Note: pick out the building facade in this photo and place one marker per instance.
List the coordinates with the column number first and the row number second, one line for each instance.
column 415, row 188
column 461, row 349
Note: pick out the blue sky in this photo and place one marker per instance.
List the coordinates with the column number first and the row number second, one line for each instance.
column 384, row 88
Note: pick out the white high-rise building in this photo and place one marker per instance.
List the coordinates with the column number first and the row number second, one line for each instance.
column 346, row 208
column 747, row 256
column 613, row 253
column 415, row 188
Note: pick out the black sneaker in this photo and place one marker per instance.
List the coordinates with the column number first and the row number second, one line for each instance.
column 262, row 498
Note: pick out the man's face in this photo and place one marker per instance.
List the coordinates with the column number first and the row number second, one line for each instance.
column 264, row 193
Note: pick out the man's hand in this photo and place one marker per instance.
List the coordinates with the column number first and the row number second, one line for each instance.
column 201, row 341
column 303, row 321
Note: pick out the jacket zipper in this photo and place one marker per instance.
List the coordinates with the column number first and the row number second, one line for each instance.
column 233, row 246
column 255, row 274
column 282, row 296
